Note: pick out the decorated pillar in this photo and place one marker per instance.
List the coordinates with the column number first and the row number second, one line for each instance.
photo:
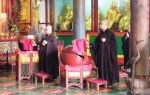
column 78, row 19
column 52, row 13
column 94, row 15
column 140, row 31
column 46, row 12
column 79, row 26
column 139, row 83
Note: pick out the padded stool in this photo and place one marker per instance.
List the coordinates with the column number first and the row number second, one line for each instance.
column 123, row 74
column 42, row 75
column 97, row 82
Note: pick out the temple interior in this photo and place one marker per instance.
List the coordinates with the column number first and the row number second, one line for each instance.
column 71, row 20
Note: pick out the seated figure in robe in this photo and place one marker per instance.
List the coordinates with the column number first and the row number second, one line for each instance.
column 113, row 15
column 35, row 11
column 65, row 18
column 25, row 11
column 125, row 20
column 88, row 21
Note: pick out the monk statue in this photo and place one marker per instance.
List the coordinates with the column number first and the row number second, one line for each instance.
column 125, row 20
column 25, row 11
column 65, row 18
column 113, row 15
column 88, row 21
column 35, row 11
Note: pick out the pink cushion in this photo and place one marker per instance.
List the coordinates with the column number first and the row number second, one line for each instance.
column 76, row 68
column 79, row 45
column 97, row 81
column 42, row 75
column 27, row 44
column 123, row 74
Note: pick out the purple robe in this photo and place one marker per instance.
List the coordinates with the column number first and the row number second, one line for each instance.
column 48, row 55
column 126, row 48
column 105, row 56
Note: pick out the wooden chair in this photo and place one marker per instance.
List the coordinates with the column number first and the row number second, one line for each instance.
column 23, row 65
column 71, row 75
column 27, row 64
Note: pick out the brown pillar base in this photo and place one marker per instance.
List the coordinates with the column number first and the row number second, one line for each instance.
column 141, row 85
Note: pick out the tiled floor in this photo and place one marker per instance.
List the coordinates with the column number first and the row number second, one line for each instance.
column 9, row 86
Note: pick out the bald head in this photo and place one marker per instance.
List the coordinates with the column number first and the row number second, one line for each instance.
column 104, row 25
column 105, row 22
column 48, row 29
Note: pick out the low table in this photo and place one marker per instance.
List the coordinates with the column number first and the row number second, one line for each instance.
column 97, row 81
column 42, row 75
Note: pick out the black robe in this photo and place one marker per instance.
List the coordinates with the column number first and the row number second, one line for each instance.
column 48, row 55
column 105, row 56
column 125, row 48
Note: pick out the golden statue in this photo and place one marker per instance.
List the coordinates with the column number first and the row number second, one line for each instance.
column 113, row 14
column 88, row 21
column 25, row 11
column 35, row 11
column 65, row 18
column 125, row 20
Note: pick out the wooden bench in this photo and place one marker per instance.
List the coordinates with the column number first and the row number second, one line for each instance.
column 42, row 75
column 97, row 82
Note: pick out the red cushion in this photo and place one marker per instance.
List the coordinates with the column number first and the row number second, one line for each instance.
column 97, row 80
column 42, row 75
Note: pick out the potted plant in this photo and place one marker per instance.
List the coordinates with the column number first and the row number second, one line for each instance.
column 14, row 22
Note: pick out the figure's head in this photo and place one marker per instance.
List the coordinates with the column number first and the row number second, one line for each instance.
column 67, row 6
column 113, row 5
column 48, row 29
column 128, row 4
column 103, row 25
